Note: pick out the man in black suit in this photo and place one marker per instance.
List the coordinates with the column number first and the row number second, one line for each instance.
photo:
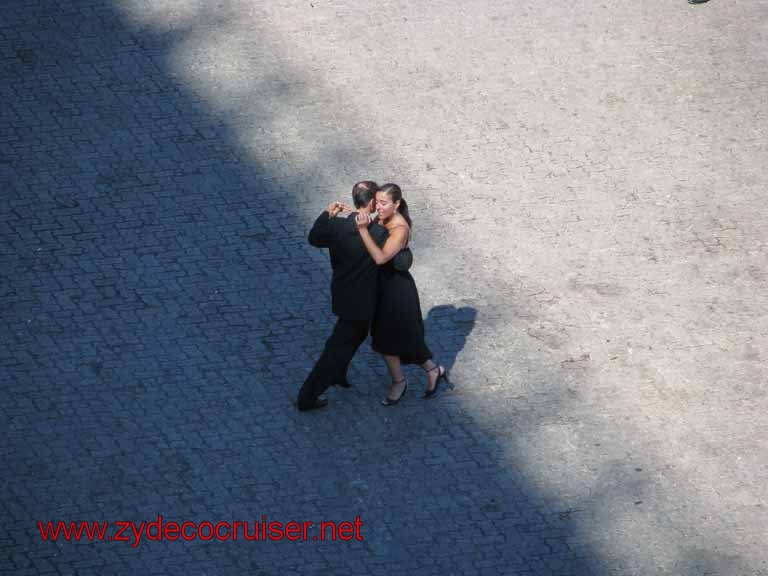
column 353, row 292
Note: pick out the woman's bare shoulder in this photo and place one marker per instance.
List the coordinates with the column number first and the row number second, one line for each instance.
column 398, row 222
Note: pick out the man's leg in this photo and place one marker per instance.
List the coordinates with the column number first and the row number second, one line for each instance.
column 347, row 344
column 334, row 361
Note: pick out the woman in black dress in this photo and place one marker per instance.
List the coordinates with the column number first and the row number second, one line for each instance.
column 398, row 328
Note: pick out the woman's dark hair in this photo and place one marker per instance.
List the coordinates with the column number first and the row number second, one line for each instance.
column 394, row 192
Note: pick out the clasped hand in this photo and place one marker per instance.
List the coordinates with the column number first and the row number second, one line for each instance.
column 335, row 208
column 363, row 219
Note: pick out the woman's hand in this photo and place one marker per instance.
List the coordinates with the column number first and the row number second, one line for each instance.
column 363, row 220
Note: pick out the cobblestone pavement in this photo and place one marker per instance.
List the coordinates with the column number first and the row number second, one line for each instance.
column 587, row 181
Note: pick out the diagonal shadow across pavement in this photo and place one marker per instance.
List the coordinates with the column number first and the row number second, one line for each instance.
column 162, row 307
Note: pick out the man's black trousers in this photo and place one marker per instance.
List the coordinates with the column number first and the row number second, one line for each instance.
column 333, row 363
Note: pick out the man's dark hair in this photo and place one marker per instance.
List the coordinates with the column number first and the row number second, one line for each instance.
column 363, row 192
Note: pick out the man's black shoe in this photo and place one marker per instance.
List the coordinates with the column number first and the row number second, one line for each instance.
column 319, row 403
column 343, row 384
column 697, row 1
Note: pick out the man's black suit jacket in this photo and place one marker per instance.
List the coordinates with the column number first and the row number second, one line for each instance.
column 355, row 274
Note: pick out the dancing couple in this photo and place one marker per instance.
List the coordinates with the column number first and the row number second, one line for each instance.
column 371, row 288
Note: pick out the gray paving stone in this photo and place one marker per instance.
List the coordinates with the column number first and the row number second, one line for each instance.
column 587, row 183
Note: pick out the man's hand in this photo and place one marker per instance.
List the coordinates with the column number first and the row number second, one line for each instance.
column 334, row 208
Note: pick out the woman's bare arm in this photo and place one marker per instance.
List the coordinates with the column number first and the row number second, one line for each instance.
column 395, row 242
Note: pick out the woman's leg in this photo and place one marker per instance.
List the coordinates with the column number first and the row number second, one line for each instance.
column 398, row 378
column 434, row 371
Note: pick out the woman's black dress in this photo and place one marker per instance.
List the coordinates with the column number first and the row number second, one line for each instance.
column 398, row 328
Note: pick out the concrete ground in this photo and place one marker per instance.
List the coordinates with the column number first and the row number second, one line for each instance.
column 587, row 183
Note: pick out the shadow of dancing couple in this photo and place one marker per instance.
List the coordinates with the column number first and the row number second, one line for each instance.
column 371, row 289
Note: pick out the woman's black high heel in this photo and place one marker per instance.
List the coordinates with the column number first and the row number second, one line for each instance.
column 442, row 375
column 388, row 402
